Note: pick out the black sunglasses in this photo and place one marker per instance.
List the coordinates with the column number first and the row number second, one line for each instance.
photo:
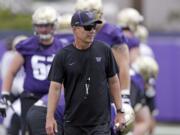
column 89, row 27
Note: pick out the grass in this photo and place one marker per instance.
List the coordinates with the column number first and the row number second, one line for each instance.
column 12, row 21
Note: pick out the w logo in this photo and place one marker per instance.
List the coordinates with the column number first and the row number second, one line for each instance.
column 98, row 59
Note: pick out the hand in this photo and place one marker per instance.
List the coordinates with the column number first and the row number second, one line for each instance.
column 129, row 118
column 3, row 108
column 4, row 103
column 119, row 121
column 51, row 126
column 6, row 98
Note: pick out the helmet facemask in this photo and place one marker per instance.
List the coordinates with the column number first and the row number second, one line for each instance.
column 44, row 21
column 44, row 31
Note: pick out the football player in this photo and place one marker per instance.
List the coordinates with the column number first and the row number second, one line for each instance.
column 36, row 55
column 148, row 68
column 129, row 19
column 142, row 33
column 64, row 34
column 12, row 120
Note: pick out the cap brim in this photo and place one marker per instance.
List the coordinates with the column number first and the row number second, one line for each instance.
column 92, row 22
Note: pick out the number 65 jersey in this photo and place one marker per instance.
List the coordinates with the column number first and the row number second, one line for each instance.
column 37, row 62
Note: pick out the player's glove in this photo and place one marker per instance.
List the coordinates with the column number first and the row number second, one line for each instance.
column 128, row 112
column 125, row 95
column 4, row 103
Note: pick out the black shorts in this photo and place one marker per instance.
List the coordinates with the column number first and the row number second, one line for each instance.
column 36, row 121
column 27, row 100
column 150, row 101
column 136, row 95
column 103, row 129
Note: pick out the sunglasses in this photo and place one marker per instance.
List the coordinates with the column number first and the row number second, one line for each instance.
column 89, row 27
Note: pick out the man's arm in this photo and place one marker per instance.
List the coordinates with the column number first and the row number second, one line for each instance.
column 115, row 91
column 121, row 54
column 14, row 67
column 114, row 86
column 53, row 97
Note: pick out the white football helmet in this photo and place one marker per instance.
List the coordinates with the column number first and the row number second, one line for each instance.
column 129, row 118
column 129, row 17
column 64, row 22
column 42, row 16
column 146, row 66
column 93, row 5
column 142, row 33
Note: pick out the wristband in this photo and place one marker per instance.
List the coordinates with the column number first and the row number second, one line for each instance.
column 5, row 92
column 125, row 92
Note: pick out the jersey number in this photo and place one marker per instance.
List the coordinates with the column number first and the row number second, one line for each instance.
column 40, row 69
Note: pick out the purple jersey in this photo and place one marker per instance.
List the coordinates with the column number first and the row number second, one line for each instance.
column 133, row 42
column 37, row 62
column 111, row 34
column 138, row 80
column 60, row 107
column 65, row 38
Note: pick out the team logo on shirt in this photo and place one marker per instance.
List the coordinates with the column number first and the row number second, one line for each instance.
column 98, row 59
column 72, row 63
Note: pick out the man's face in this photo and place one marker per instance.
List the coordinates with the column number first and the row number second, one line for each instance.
column 44, row 29
column 86, row 33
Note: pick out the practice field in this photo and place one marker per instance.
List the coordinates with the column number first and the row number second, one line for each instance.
column 161, row 129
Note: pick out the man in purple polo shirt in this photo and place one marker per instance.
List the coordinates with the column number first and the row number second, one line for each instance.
column 36, row 55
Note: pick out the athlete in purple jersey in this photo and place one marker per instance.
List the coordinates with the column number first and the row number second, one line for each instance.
column 36, row 55
column 129, row 19
column 65, row 38
column 111, row 34
column 37, row 61
column 133, row 45
column 137, row 88
column 148, row 68
column 65, row 34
